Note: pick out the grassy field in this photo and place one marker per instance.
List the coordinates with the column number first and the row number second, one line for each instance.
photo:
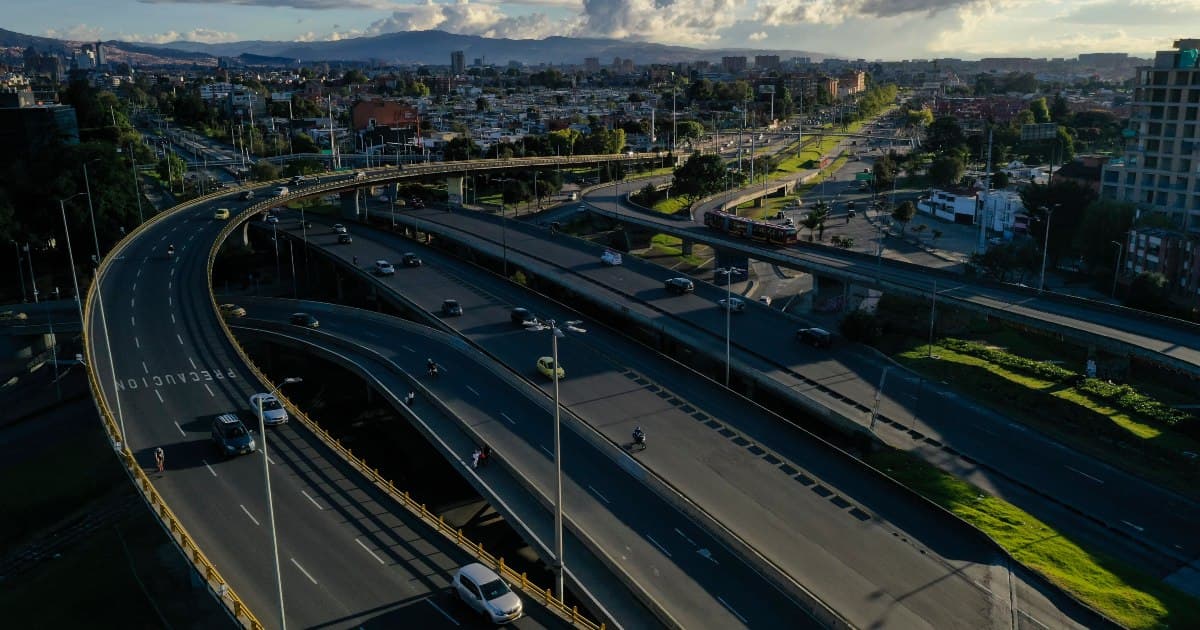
column 1064, row 413
column 667, row 245
column 669, row 206
column 1120, row 591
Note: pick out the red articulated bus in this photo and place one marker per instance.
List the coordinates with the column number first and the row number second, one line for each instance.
column 731, row 224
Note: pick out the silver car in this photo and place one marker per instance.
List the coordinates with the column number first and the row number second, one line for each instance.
column 272, row 411
column 481, row 589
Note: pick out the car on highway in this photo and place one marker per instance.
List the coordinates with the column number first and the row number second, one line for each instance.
column 272, row 219
column 304, row 319
column 416, row 202
column 521, row 316
column 232, row 310
column 338, row 228
column 246, row 195
column 409, row 259
column 13, row 316
column 815, row 337
column 230, row 435
column 610, row 257
column 679, row 286
column 546, row 366
column 737, row 305
column 451, row 308
column 765, row 300
column 280, row 191
column 221, row 213
column 485, row 593
column 384, row 268
column 345, row 239
column 272, row 410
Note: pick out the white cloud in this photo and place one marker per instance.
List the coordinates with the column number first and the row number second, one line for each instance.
column 204, row 35
column 687, row 22
column 314, row 5
column 77, row 33
column 470, row 18
column 758, row 36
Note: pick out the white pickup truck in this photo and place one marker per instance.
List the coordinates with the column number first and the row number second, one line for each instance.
column 610, row 257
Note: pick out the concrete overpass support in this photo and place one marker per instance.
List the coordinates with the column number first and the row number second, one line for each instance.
column 454, row 190
column 350, row 205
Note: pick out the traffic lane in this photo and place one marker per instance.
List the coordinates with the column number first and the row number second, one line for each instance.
column 841, row 371
column 631, row 522
column 487, row 318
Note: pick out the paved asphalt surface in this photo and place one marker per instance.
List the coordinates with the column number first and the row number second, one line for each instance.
column 764, row 340
column 701, row 586
column 349, row 557
column 867, row 549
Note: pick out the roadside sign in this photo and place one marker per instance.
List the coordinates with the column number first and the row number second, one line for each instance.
column 864, row 177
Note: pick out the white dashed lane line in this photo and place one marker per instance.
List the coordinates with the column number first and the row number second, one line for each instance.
column 192, row 362
column 546, row 450
column 310, row 578
column 472, row 390
column 1080, row 472
column 210, row 391
column 505, row 416
column 181, row 431
column 144, row 368
column 660, row 547
column 210, row 468
column 132, row 322
column 159, row 394
column 314, row 501
column 136, row 342
column 248, row 514
column 732, row 610
column 179, row 338
column 172, row 318
column 597, row 492
column 368, row 550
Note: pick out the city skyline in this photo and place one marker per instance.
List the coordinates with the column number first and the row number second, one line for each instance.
column 871, row 29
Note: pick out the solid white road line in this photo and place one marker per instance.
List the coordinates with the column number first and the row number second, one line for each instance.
column 602, row 497
column 192, row 362
column 314, row 501
column 310, row 578
column 210, row 468
column 181, row 431
column 210, row 391
column 732, row 610
column 1140, row 529
column 248, row 514
column 472, row 390
column 505, row 416
column 660, row 547
column 368, row 550
column 407, row 348
column 444, row 613
column 548, row 452
column 685, row 537
column 159, row 394
column 179, row 338
column 1085, row 474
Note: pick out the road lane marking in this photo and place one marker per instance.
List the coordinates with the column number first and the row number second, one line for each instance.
column 137, row 343
column 139, row 274
column 733, row 610
column 505, row 416
column 472, row 390
column 131, row 300
column 444, row 613
column 314, row 501
column 170, row 302
column 210, row 468
column 181, row 431
column 179, row 338
column 1097, row 480
column 210, row 391
column 660, row 547
column 192, row 362
column 248, row 513
column 1140, row 529
column 270, row 461
column 547, row 451
column 602, row 497
column 169, row 283
column 144, row 368
column 368, row 550
column 685, row 537
column 172, row 318
column 132, row 321
column 1018, row 427
column 159, row 394
column 310, row 578
column 407, row 348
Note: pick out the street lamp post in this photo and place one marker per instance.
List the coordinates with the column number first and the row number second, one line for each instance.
column 1046, row 245
column 71, row 253
column 49, row 322
column 17, row 248
column 729, row 272
column 262, row 430
column 555, row 333
column 1117, row 270
column 674, row 123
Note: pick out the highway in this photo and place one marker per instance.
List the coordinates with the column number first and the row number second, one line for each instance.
column 1045, row 471
column 603, row 496
column 349, row 556
column 854, row 539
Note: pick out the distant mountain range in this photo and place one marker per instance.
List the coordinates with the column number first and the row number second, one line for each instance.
column 419, row 47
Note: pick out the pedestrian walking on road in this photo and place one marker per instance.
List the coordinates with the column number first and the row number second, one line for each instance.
column 160, row 459
column 475, row 458
column 485, row 455
column 409, row 398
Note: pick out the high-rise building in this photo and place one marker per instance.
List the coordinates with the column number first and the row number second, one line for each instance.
column 1160, row 171
column 766, row 62
column 591, row 65
column 458, row 62
column 733, row 65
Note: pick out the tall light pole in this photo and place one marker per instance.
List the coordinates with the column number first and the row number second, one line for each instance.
column 100, row 305
column 674, row 122
column 262, row 430
column 1117, row 270
column 1046, row 245
column 71, row 253
column 20, row 273
column 555, row 333
column 729, row 273
column 49, row 322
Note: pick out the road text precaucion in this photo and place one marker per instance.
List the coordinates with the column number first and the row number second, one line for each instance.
column 176, row 378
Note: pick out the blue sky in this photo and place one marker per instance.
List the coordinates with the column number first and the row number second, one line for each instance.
column 885, row 29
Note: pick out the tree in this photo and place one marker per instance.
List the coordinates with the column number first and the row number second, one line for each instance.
column 170, row 169
column 999, row 180
column 1067, row 201
column 461, row 149
column 1008, row 262
column 515, row 191
column 919, row 230
column 264, row 171
column 482, row 104
column 884, row 171
column 918, row 117
column 904, row 213
column 303, row 143
column 935, row 234
column 1060, row 112
column 946, row 171
column 945, row 134
column 810, row 222
column 821, row 212
column 1148, row 292
column 1041, row 113
column 690, row 129
column 1103, row 222
column 701, row 176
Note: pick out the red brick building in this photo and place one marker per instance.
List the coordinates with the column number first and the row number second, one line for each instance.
column 381, row 113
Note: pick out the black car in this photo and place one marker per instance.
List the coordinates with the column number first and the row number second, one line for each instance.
column 451, row 308
column 815, row 337
column 410, row 259
column 521, row 316
column 304, row 319
column 246, row 195
column 345, row 239
column 679, row 286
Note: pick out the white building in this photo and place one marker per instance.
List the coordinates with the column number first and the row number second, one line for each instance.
column 1001, row 211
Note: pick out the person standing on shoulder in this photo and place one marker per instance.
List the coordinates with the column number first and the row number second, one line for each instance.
column 160, row 459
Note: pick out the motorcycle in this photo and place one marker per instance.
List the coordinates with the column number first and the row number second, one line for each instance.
column 639, row 441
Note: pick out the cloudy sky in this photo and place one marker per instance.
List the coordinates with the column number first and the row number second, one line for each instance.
column 885, row 29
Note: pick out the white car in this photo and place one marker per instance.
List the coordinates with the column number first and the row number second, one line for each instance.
column 480, row 588
column 610, row 257
column 272, row 219
column 272, row 411
column 338, row 228
column 737, row 305
column 384, row 268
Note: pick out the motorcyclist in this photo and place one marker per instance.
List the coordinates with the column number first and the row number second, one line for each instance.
column 433, row 368
column 639, row 436
column 171, row 249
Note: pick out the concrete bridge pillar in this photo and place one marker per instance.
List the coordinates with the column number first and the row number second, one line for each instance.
column 350, row 204
column 454, row 190
column 758, row 202
column 686, row 247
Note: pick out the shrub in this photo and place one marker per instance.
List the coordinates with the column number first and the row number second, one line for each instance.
column 1039, row 369
column 1128, row 399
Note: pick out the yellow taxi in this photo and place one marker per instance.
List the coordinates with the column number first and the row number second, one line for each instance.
column 221, row 213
